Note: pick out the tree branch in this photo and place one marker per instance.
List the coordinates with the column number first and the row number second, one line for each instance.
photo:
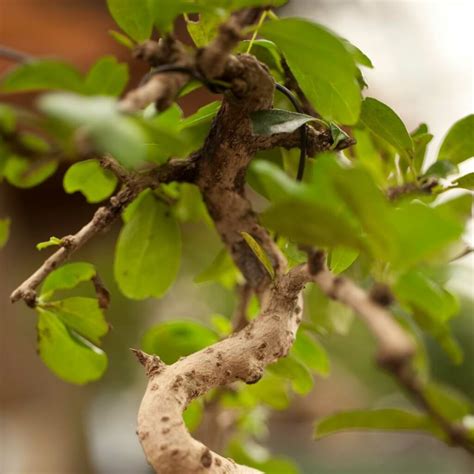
column 395, row 348
column 174, row 170
column 167, row 444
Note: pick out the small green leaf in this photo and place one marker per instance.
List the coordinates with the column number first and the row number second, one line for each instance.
column 69, row 356
column 265, row 51
column 309, row 352
column 7, row 118
column 4, row 231
column 148, row 250
column 134, row 17
column 66, row 277
column 80, row 314
column 290, row 368
column 44, row 74
column 49, row 243
column 193, row 415
column 174, row 339
column 451, row 404
column 204, row 30
column 326, row 71
column 386, row 124
column 122, row 39
column 88, row 177
column 338, row 135
column 107, row 77
column 458, row 145
column 222, row 269
column 466, row 182
column 442, row 169
column 269, row 122
column 431, row 306
column 382, row 419
column 421, row 138
column 340, row 259
column 259, row 253
column 24, row 173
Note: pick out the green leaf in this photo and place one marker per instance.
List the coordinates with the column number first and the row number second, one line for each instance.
column 24, row 173
column 368, row 156
column 421, row 231
column 359, row 56
column 68, row 355
column 193, row 415
column 110, row 131
column 7, row 118
column 204, row 30
column 442, row 169
column 451, row 404
column 134, row 17
column 326, row 71
column 269, row 122
column 66, row 277
column 122, row 39
column 49, row 243
column 432, row 307
column 148, row 250
column 386, row 124
column 309, row 352
column 466, row 182
column 4, row 231
column 421, row 138
column 88, row 177
column 340, row 259
column 164, row 12
column 290, row 368
column 259, row 253
column 44, row 74
column 382, row 419
column 80, row 314
column 222, row 269
column 265, row 51
column 107, row 77
column 458, row 145
column 174, row 339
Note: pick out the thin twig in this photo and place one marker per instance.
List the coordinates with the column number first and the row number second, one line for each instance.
column 15, row 55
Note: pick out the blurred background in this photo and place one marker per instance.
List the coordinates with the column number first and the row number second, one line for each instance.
column 422, row 53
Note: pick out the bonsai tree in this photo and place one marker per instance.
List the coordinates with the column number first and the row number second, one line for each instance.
column 350, row 212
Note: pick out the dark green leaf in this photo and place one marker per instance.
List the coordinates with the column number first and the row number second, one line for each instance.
column 45, row 74
column 383, row 419
column 69, row 356
column 148, row 250
column 174, row 339
column 325, row 71
column 134, row 17
column 107, row 77
column 386, row 124
column 466, row 182
column 66, row 277
column 259, row 253
column 458, row 144
column 88, row 177
column 442, row 169
column 4, row 231
column 269, row 122
column 421, row 138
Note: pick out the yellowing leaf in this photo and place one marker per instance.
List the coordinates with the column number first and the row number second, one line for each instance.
column 259, row 253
